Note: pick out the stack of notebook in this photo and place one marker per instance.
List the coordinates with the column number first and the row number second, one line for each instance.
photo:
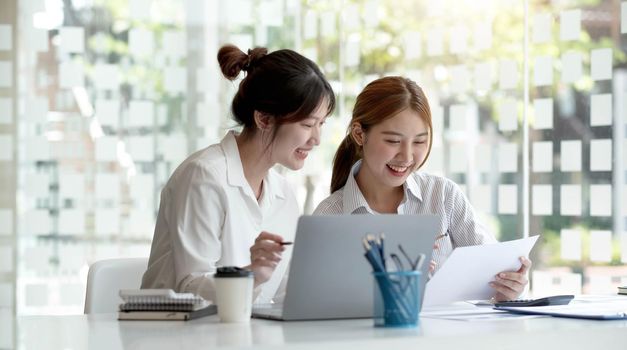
column 622, row 290
column 162, row 304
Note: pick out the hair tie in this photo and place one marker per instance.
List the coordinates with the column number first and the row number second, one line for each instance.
column 248, row 60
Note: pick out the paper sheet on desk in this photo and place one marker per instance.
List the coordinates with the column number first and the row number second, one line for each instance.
column 468, row 270
column 470, row 313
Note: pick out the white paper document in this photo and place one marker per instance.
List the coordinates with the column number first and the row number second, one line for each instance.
column 470, row 312
column 467, row 272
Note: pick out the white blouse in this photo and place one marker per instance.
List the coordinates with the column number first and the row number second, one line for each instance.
column 209, row 216
column 424, row 194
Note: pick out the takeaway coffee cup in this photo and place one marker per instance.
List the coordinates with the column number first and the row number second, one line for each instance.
column 234, row 293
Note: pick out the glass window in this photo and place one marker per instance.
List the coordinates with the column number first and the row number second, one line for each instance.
column 101, row 100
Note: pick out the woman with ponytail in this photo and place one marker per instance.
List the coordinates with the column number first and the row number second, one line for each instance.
column 225, row 205
column 375, row 170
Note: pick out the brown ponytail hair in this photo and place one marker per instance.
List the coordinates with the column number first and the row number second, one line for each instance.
column 283, row 84
column 380, row 100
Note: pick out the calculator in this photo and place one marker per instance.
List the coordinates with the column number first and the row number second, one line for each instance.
column 552, row 300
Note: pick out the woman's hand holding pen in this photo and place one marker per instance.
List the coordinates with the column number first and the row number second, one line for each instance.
column 265, row 255
column 509, row 285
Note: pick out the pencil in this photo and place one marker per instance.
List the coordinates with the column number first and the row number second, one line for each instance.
column 286, row 243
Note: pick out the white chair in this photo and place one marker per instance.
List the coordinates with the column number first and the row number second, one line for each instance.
column 106, row 277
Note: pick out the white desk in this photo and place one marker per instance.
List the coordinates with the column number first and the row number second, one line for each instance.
column 103, row 331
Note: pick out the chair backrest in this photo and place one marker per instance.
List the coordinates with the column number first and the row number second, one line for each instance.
column 106, row 277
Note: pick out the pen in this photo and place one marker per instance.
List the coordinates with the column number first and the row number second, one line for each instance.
column 441, row 236
column 415, row 265
column 286, row 243
column 382, row 248
column 373, row 258
column 421, row 259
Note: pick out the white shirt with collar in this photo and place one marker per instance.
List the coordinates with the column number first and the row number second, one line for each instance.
column 424, row 194
column 209, row 217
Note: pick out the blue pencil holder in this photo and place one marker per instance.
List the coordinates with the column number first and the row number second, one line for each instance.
column 396, row 298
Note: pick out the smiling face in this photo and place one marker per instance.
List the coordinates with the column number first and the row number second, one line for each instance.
column 392, row 149
column 294, row 141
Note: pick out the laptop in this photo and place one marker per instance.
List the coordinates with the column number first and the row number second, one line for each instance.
column 329, row 277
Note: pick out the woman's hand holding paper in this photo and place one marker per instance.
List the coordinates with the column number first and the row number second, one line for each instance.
column 510, row 285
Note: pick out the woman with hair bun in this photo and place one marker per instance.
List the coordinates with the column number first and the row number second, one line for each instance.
column 375, row 171
column 225, row 205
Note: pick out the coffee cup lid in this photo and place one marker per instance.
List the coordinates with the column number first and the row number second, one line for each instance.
column 233, row 271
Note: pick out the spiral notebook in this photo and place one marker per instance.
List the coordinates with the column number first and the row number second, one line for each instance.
column 160, row 300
